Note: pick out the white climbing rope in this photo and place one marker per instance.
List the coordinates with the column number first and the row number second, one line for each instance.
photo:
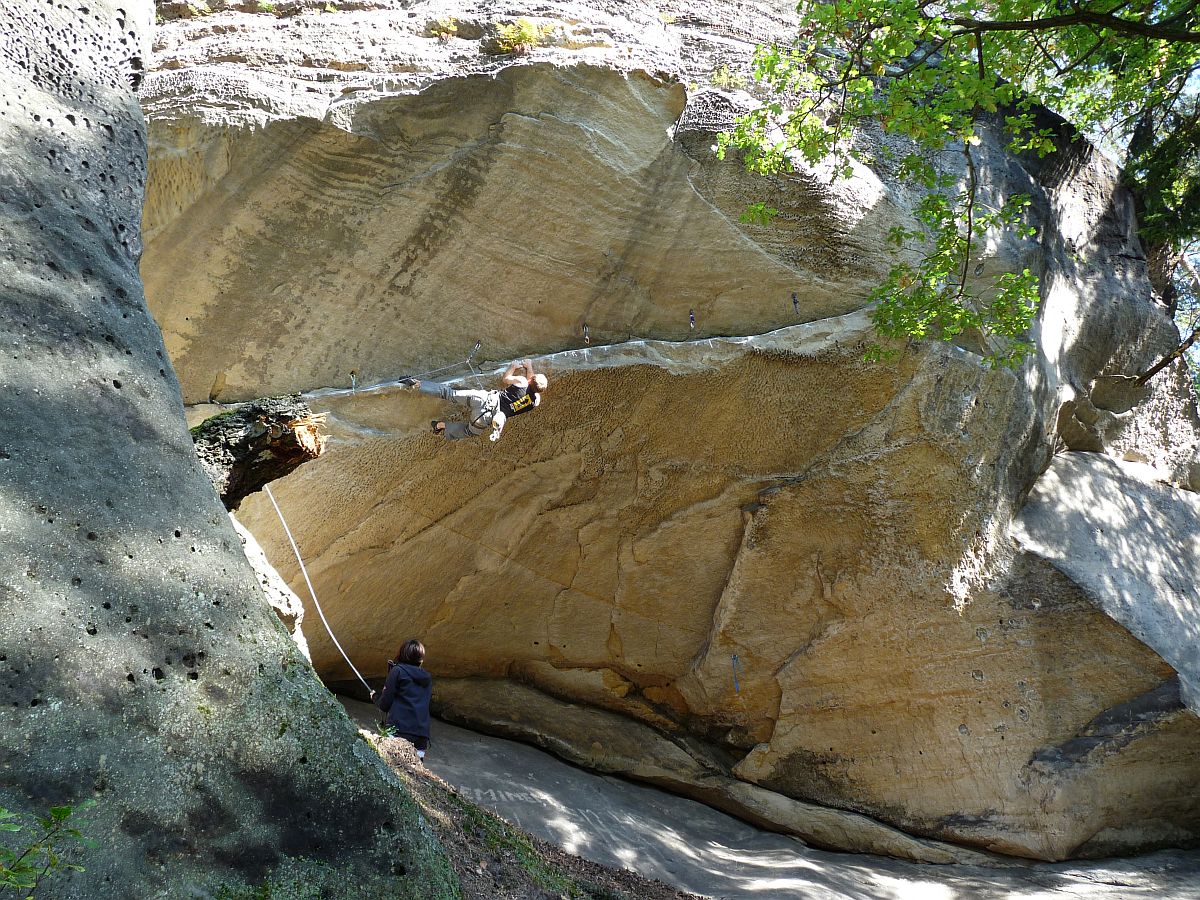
column 308, row 581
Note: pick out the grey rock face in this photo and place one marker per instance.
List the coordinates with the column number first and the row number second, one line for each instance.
column 282, row 598
column 139, row 665
column 1132, row 547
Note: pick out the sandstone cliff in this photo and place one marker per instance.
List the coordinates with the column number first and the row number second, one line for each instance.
column 793, row 575
column 139, row 665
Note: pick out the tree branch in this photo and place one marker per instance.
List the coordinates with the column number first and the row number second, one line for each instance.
column 1154, row 30
column 253, row 443
column 1185, row 345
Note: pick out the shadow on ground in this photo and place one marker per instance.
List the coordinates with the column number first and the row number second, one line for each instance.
column 686, row 844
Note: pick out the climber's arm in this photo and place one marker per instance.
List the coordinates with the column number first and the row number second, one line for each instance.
column 498, row 421
column 511, row 377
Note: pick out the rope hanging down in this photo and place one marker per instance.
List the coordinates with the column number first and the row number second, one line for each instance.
column 307, row 581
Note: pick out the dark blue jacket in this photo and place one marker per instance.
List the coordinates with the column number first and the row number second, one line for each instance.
column 405, row 699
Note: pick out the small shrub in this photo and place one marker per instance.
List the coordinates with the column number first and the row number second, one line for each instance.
column 666, row 18
column 264, row 6
column 521, row 36
column 727, row 79
column 443, row 29
column 758, row 214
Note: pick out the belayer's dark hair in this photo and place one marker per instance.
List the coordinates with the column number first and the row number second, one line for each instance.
column 412, row 652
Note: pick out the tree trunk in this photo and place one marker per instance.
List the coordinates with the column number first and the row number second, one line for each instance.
column 255, row 443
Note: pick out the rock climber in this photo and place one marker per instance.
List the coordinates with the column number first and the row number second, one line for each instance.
column 487, row 410
column 406, row 694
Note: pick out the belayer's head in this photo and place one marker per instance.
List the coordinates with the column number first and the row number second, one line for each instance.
column 412, row 652
column 539, row 383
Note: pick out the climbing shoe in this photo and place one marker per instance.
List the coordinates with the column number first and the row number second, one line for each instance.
column 407, row 383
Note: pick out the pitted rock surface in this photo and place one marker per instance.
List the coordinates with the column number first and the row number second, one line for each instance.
column 139, row 665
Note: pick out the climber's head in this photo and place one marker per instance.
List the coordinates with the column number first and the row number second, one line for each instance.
column 539, row 383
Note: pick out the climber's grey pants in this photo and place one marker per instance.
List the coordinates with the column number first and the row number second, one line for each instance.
column 481, row 405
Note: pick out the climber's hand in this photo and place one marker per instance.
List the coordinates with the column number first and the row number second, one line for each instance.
column 494, row 436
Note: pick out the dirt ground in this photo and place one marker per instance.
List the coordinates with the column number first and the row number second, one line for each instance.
column 495, row 860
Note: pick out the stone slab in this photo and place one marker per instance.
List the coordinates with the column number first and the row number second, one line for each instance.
column 1086, row 512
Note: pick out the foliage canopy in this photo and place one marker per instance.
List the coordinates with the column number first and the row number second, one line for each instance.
column 1122, row 72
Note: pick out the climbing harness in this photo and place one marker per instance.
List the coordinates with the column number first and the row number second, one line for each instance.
column 735, row 662
column 307, row 581
column 488, row 408
column 587, row 337
column 692, row 319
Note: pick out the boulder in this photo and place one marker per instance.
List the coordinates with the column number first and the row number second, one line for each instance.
column 139, row 665
column 606, row 742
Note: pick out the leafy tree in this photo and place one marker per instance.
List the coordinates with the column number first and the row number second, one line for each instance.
column 1122, row 72
column 23, row 868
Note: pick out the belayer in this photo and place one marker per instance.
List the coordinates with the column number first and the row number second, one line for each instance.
column 487, row 410
column 406, row 694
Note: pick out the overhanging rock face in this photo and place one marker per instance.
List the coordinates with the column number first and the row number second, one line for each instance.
column 789, row 583
column 528, row 203
column 795, row 568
